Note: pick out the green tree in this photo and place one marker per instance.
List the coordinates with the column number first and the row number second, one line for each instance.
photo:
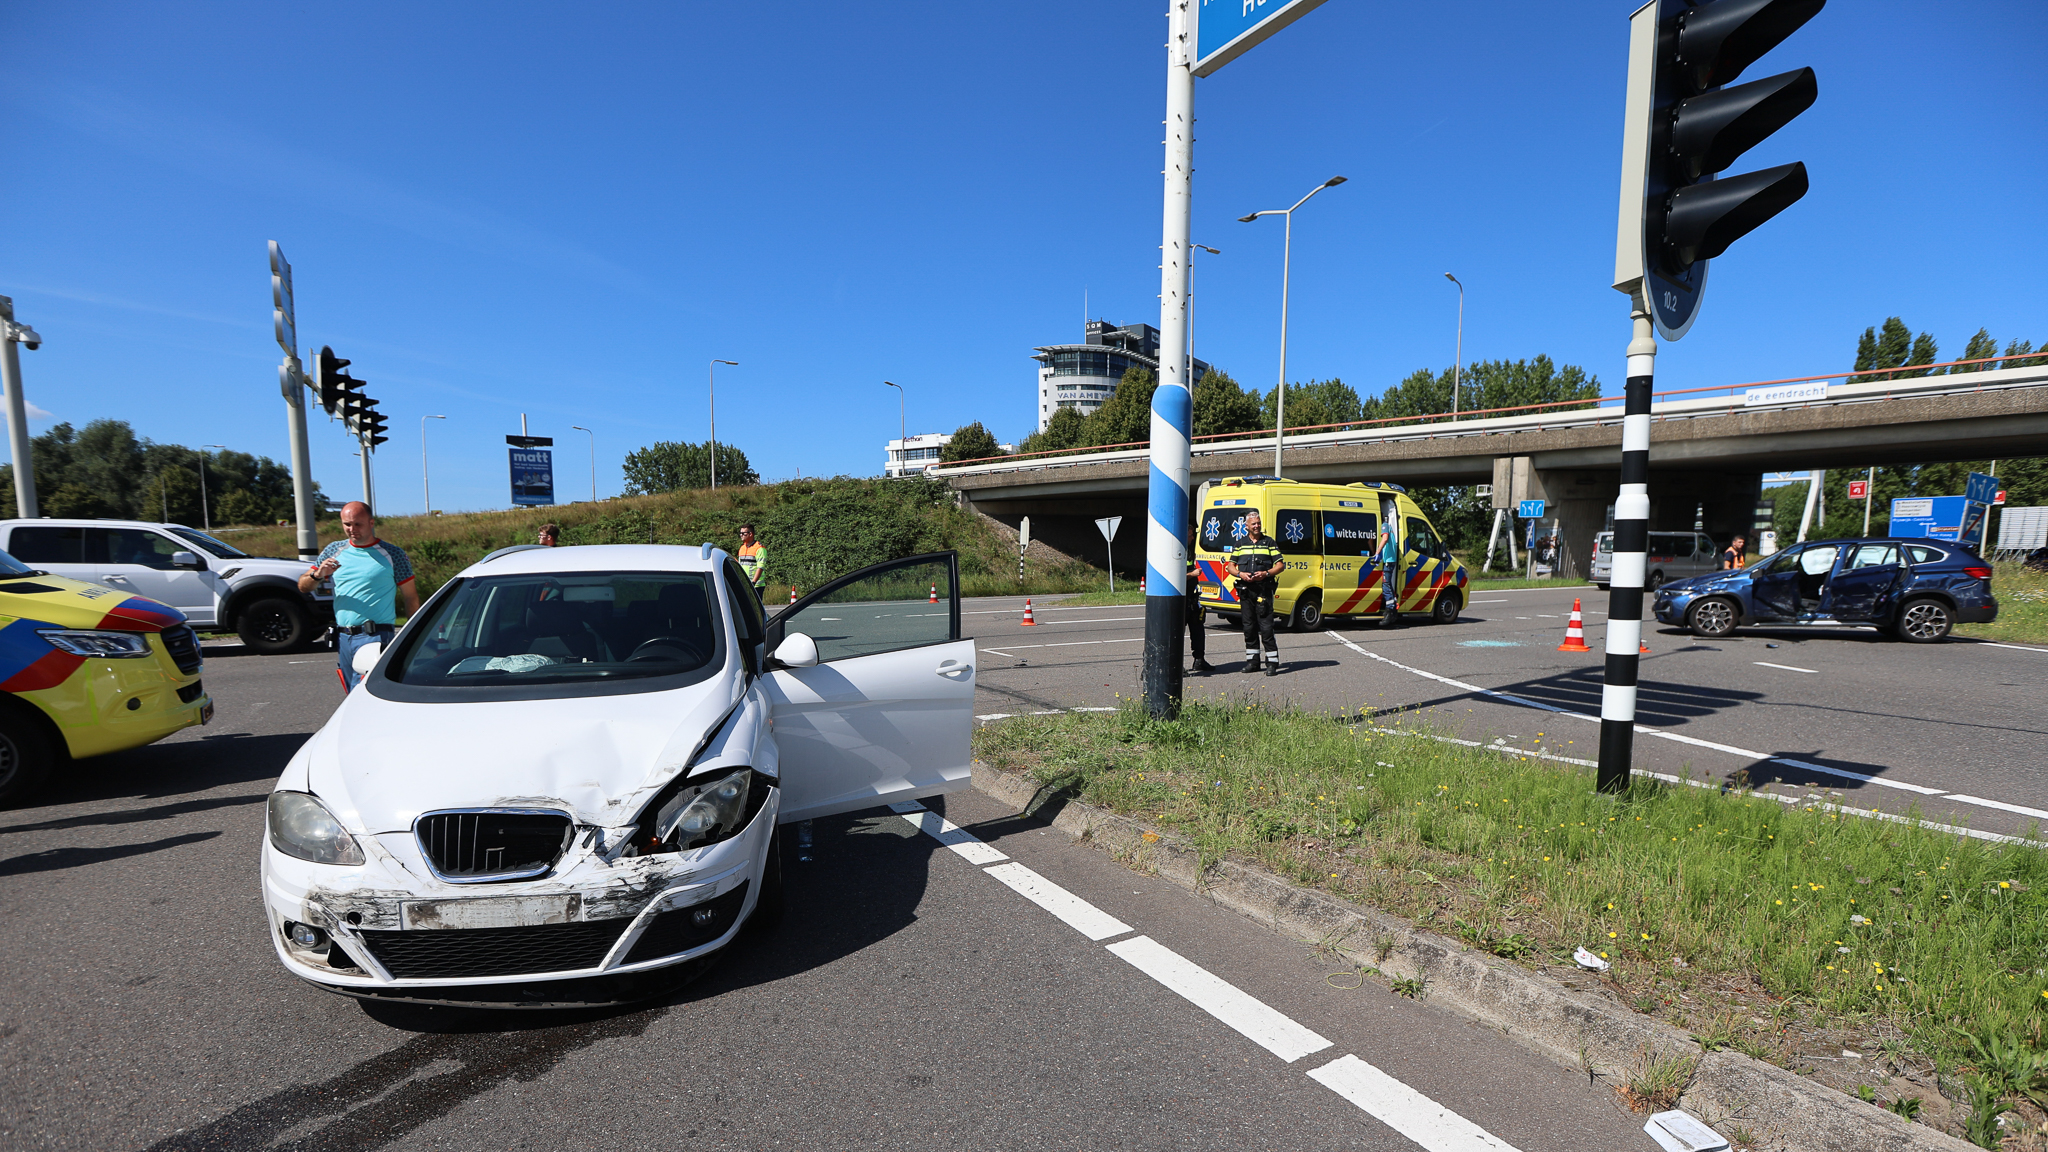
column 1312, row 404
column 105, row 470
column 667, row 465
column 1222, row 407
column 2016, row 355
column 1980, row 347
column 1126, row 417
column 1062, row 431
column 1892, row 345
column 970, row 442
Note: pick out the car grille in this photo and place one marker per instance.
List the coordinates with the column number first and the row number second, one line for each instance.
column 469, row 953
column 677, row 929
column 472, row 847
column 183, row 646
column 192, row 691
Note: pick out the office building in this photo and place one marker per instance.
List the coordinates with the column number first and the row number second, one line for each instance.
column 1083, row 376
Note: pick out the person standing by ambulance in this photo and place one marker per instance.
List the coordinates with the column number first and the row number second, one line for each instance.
column 1390, row 566
column 1256, row 565
column 753, row 559
column 372, row 583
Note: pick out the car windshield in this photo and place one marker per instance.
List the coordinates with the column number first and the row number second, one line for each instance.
column 11, row 568
column 218, row 548
column 565, row 628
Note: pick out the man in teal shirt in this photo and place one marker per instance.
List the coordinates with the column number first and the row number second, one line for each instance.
column 372, row 581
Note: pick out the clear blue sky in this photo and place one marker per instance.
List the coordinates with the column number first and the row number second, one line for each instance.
column 566, row 211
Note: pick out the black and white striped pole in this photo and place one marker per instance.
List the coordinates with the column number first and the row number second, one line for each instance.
column 1631, row 542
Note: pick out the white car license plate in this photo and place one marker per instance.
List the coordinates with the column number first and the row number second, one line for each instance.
column 491, row 912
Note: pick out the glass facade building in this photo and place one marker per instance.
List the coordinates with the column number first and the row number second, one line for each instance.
column 1084, row 376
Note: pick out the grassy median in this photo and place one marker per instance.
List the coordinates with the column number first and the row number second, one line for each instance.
column 1785, row 932
column 2022, row 607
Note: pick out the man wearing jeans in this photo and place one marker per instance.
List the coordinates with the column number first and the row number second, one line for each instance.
column 372, row 581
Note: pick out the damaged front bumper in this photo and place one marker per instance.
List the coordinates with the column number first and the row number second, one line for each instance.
column 595, row 930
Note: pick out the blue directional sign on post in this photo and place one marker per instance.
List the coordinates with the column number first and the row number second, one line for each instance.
column 1227, row 29
column 1529, row 509
column 1981, row 489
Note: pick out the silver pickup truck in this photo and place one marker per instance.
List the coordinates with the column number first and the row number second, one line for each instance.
column 216, row 585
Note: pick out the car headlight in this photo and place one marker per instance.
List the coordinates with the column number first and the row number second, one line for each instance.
column 95, row 643
column 301, row 826
column 689, row 815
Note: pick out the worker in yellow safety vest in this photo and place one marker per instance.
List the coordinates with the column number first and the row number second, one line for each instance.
column 753, row 559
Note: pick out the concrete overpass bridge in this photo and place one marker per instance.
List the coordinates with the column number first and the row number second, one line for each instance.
column 1706, row 452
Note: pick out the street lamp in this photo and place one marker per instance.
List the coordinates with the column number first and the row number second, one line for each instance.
column 593, row 459
column 205, row 516
column 902, row 429
column 1191, row 307
column 1286, row 258
column 1458, row 372
column 714, row 419
column 426, row 488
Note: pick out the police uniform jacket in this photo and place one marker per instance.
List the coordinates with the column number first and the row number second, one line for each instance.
column 1261, row 555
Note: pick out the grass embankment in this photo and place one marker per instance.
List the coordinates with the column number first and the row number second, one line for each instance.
column 1784, row 932
column 2022, row 607
column 814, row 530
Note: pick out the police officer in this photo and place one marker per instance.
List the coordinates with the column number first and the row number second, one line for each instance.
column 1256, row 565
column 1195, row 612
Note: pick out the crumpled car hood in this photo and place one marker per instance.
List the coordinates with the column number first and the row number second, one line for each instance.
column 379, row 763
column 1709, row 581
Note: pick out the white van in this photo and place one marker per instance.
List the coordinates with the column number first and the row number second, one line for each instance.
column 1673, row 556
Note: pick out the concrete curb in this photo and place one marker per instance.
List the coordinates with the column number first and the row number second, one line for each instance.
column 1558, row 1017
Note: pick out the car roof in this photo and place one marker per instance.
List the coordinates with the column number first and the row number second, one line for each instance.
column 532, row 559
column 89, row 521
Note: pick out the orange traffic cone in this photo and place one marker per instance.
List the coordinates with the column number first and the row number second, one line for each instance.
column 792, row 593
column 1028, row 622
column 935, row 594
column 1575, row 631
column 1141, row 584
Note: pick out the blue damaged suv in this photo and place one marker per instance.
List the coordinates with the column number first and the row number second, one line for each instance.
column 1911, row 589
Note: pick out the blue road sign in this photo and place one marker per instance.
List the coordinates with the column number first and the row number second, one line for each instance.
column 533, row 475
column 1227, row 29
column 1529, row 509
column 1938, row 518
column 1981, row 488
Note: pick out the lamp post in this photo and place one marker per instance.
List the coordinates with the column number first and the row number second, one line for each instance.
column 713, row 394
column 205, row 516
column 1458, row 372
column 426, row 487
column 902, row 429
column 593, row 459
column 1191, row 303
column 1286, row 259
column 12, row 333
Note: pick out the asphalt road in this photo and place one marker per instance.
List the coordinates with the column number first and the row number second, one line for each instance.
column 909, row 999
column 1958, row 729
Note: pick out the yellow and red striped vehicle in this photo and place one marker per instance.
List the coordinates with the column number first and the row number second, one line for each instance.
column 1329, row 535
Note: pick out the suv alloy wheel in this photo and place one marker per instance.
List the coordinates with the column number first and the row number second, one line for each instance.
column 1713, row 618
column 1924, row 621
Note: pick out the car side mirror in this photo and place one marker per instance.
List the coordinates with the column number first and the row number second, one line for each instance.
column 796, row 651
column 186, row 560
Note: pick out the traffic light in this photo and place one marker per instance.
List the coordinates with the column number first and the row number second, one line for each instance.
column 1685, row 127
column 373, row 428
column 353, row 407
column 330, row 383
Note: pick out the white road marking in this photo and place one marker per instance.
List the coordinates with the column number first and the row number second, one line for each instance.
column 2034, row 812
column 1988, row 643
column 1046, row 608
column 1251, row 1017
column 1785, row 667
column 1489, row 601
column 1065, row 644
column 961, row 841
column 1546, row 616
column 1077, row 913
column 1405, row 1110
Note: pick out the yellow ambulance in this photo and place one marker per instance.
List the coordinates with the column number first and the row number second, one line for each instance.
column 1329, row 536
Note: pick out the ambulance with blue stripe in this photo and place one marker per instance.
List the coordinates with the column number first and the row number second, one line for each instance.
column 1329, row 537
column 86, row 670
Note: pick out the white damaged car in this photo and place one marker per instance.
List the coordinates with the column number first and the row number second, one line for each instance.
column 562, row 780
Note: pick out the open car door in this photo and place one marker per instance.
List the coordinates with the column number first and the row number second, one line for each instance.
column 871, row 689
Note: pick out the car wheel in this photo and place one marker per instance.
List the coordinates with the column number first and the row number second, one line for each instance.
column 1711, row 618
column 273, row 625
column 1601, row 587
column 1655, row 581
column 25, row 755
column 1447, row 604
column 1307, row 614
column 1924, row 621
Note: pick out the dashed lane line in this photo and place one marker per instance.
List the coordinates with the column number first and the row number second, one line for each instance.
column 1785, row 667
column 2014, row 647
column 1005, row 649
column 963, row 843
column 1048, row 712
column 1393, row 1103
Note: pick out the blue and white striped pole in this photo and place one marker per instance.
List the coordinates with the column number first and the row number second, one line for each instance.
column 1631, row 542
column 1172, row 406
